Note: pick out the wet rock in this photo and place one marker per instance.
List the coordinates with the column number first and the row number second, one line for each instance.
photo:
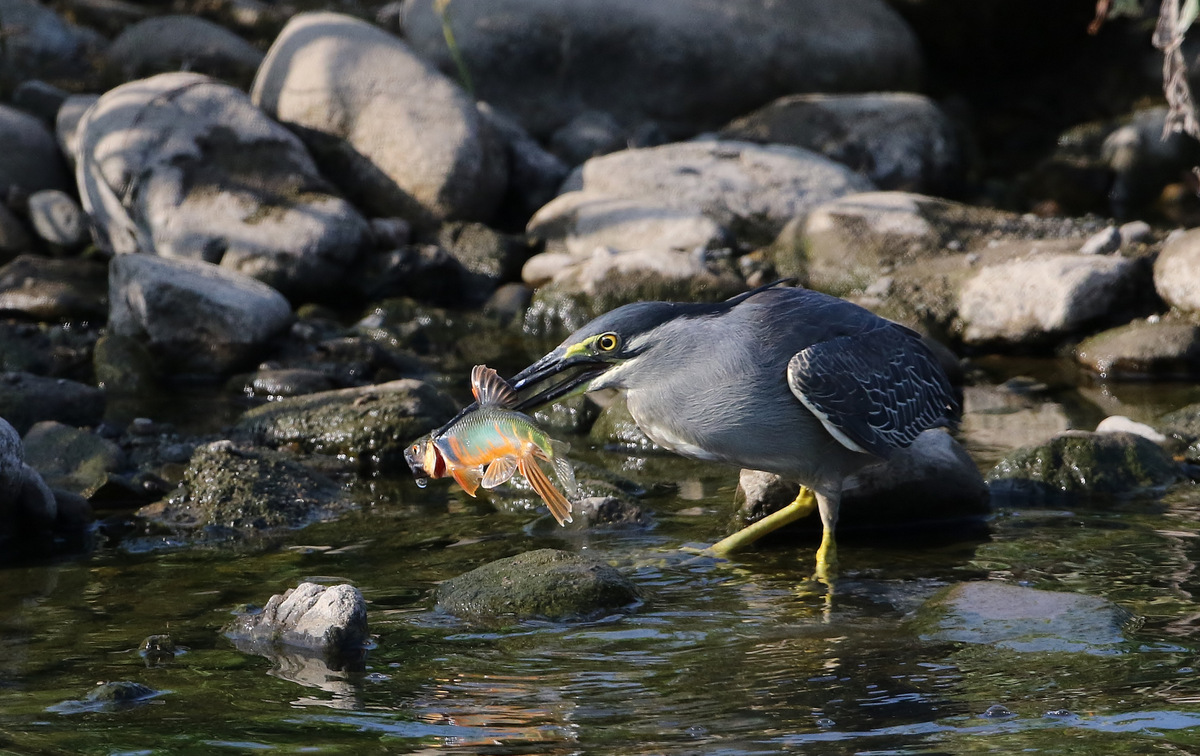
column 1043, row 297
column 615, row 428
column 58, row 219
column 399, row 137
column 123, row 365
column 26, row 399
column 749, row 188
column 423, row 271
column 286, row 382
column 183, row 166
column 1183, row 427
column 241, row 490
column 1023, row 619
column 1083, row 465
column 488, row 257
column 193, row 316
column 1161, row 348
column 14, row 238
column 182, row 43
column 697, row 63
column 571, row 416
column 899, row 141
column 39, row 43
column 120, row 692
column 372, row 424
column 1177, row 271
column 456, row 339
column 73, row 459
column 319, row 618
column 29, row 157
column 534, row 174
column 66, row 124
column 157, row 649
column 54, row 290
column 543, row 584
column 934, row 480
column 590, row 134
column 607, row 511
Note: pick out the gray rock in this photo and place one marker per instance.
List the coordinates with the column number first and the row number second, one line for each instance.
column 1144, row 159
column 1161, row 348
column 1023, row 619
column 1177, row 271
column 193, row 316
column 29, row 157
column 53, row 290
column 66, row 124
column 399, row 137
column 245, row 490
column 180, row 165
column 275, row 383
column 39, row 98
column 488, row 257
column 123, row 365
column 1135, row 232
column 900, row 141
column 26, row 399
column 1043, row 297
column 372, row 424
column 14, row 238
column 543, row 584
column 319, row 618
column 756, row 188
column 1078, row 465
column 58, row 219
column 534, row 174
column 696, row 63
column 120, row 692
column 72, row 459
column 1122, row 424
column 28, row 507
column 934, row 480
column 607, row 511
column 1102, row 243
column 590, row 134
column 182, row 43
column 40, row 44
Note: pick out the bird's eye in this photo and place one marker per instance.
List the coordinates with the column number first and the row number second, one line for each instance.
column 607, row 342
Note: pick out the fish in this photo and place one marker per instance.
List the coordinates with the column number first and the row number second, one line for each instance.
column 488, row 445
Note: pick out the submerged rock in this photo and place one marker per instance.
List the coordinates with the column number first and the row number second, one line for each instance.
column 1082, row 465
column 1024, row 619
column 543, row 584
column 317, row 618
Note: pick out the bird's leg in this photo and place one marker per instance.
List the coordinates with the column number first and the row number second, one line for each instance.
column 827, row 554
column 802, row 506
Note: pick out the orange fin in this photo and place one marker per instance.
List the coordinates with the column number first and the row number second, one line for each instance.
column 467, row 477
column 490, row 389
column 558, row 504
column 501, row 469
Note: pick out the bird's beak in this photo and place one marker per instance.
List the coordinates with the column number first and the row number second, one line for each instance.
column 587, row 368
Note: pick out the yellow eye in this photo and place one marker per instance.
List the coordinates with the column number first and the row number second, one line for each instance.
column 607, row 342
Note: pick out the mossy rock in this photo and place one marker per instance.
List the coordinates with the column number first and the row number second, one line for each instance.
column 70, row 458
column 1183, row 425
column 544, row 584
column 372, row 424
column 123, row 365
column 1080, row 464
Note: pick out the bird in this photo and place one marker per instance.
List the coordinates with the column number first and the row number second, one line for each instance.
column 782, row 379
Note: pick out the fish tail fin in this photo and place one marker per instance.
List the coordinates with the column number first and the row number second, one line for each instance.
column 468, row 478
column 559, row 506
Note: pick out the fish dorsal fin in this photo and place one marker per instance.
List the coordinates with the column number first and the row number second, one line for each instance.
column 490, row 389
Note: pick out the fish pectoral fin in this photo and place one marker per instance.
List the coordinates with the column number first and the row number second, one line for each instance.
column 499, row 471
column 468, row 478
column 490, row 389
column 558, row 504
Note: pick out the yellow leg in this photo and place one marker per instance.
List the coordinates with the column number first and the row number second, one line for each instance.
column 826, row 559
column 804, row 505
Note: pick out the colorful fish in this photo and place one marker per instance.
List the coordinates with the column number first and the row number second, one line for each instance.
column 488, row 445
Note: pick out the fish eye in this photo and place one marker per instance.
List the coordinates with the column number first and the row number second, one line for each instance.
column 607, row 342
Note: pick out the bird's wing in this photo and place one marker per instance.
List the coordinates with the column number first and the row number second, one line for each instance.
column 873, row 391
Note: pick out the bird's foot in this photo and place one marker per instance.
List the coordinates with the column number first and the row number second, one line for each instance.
column 804, row 505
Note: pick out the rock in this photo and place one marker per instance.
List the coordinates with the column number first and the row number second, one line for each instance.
column 544, row 584
column 391, row 233
column 182, row 43
column 40, row 44
column 425, row 271
column 1144, row 158
column 123, row 365
column 590, row 134
column 193, row 316
column 1183, row 427
column 66, row 124
column 26, row 399
column 534, row 174
column 1017, row 618
column 1102, row 243
column 14, row 239
column 607, row 511
column 273, row 383
column 571, row 416
column 934, row 480
column 489, row 258
column 29, row 157
column 122, row 691
column 508, row 303
column 39, row 98
column 1177, row 271
column 754, row 189
column 28, row 508
column 399, row 137
column 183, row 166
column 158, row 649
column 1122, row 424
column 372, row 424
column 1135, row 232
column 1158, row 348
column 899, row 141
column 241, row 490
column 1082, row 465
column 697, row 63
column 58, row 219
column 325, row 619
column 54, row 290
column 614, row 428
column 69, row 458
column 1043, row 297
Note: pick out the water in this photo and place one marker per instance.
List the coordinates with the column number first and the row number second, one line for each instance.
column 728, row 658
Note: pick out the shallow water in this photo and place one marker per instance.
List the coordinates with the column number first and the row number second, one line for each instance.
column 741, row 657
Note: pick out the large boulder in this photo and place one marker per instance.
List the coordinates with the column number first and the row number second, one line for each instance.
column 183, row 166
column 900, row 141
column 397, row 135
column 29, row 156
column 182, row 43
column 193, row 316
column 688, row 65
